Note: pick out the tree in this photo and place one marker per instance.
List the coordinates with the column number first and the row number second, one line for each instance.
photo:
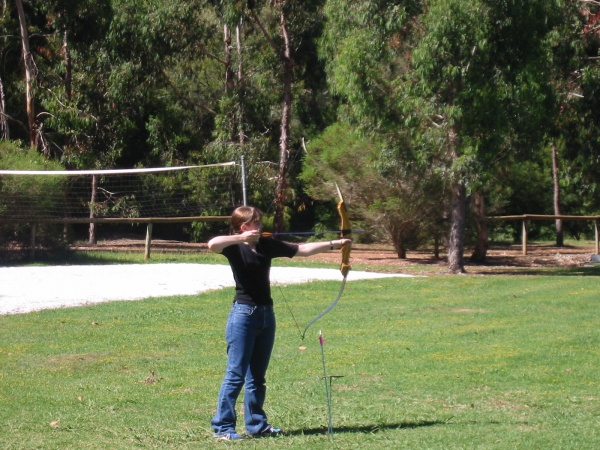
column 573, row 135
column 4, row 129
column 366, row 49
column 383, row 196
column 283, row 50
column 453, row 87
column 477, row 91
column 30, row 75
column 279, row 94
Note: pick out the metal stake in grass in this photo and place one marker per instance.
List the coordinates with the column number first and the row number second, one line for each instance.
column 327, row 380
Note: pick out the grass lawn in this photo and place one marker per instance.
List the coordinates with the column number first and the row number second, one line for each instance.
column 440, row 362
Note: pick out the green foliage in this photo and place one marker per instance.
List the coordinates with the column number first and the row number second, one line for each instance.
column 383, row 196
column 365, row 49
column 35, row 192
column 15, row 156
column 466, row 82
column 28, row 195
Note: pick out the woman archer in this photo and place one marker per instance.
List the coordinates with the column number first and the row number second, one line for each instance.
column 250, row 329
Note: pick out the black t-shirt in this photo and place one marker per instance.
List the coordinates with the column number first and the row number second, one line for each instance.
column 251, row 270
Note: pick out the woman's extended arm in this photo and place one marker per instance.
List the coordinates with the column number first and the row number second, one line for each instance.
column 312, row 248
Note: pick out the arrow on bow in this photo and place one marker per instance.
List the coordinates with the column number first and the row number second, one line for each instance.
column 345, row 232
column 305, row 233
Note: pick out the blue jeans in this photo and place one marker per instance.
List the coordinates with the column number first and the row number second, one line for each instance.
column 250, row 335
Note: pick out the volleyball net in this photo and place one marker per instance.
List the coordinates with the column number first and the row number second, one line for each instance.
column 187, row 192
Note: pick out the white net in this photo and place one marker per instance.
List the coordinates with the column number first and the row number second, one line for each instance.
column 190, row 191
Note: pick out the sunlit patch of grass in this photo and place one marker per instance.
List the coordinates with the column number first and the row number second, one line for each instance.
column 437, row 362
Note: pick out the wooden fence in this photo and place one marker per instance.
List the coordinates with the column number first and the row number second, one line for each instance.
column 525, row 218
column 147, row 220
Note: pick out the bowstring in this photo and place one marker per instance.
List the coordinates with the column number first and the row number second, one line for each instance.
column 290, row 310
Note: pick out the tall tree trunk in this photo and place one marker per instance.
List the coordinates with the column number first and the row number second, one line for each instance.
column 458, row 214
column 395, row 231
column 68, row 66
column 481, row 246
column 558, row 222
column 29, row 75
column 284, row 139
column 456, row 241
column 4, row 130
column 286, row 113
column 241, row 87
column 229, row 75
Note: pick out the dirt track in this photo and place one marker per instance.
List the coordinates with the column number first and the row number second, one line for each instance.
column 32, row 288
column 380, row 258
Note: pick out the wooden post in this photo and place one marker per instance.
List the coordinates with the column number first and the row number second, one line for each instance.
column 524, row 237
column 92, row 237
column 148, row 242
column 597, row 236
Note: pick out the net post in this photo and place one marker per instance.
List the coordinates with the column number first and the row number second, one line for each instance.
column 148, row 242
column 92, row 237
column 597, row 236
column 524, row 238
column 244, row 181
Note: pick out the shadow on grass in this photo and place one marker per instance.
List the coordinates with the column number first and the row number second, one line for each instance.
column 365, row 428
column 106, row 257
column 580, row 271
column 583, row 271
column 66, row 258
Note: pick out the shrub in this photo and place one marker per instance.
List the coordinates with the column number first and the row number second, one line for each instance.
column 27, row 195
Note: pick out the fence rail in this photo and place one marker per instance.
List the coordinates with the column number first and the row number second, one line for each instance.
column 525, row 218
column 147, row 220
column 130, row 220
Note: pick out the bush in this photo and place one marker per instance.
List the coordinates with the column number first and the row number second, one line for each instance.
column 25, row 195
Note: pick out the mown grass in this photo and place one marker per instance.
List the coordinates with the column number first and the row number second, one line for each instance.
column 444, row 362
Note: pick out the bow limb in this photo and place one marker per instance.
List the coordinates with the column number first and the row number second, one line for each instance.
column 329, row 308
column 346, row 232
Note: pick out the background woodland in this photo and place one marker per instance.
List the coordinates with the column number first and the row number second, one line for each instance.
column 430, row 115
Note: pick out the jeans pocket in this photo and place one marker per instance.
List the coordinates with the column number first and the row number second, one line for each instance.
column 243, row 310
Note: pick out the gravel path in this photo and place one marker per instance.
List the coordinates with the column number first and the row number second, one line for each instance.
column 24, row 289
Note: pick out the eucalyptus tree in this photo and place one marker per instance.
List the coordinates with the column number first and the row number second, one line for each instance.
column 453, row 87
column 366, row 47
column 69, row 33
column 561, row 167
column 243, row 118
column 479, row 92
column 158, row 81
column 30, row 75
column 566, row 60
column 119, row 82
column 287, row 27
column 584, row 135
column 276, row 95
column 573, row 133
column 46, row 31
column 10, row 74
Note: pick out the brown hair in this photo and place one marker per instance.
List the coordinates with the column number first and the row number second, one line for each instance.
column 245, row 215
